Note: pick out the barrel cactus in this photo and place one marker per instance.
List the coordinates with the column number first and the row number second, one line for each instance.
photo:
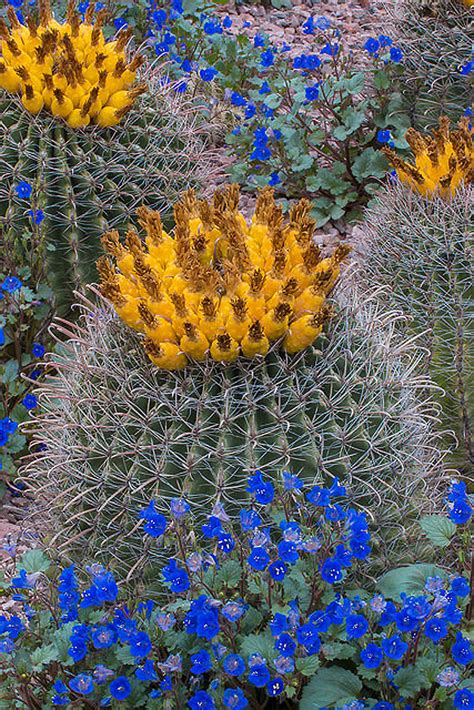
column 79, row 124
column 127, row 417
column 421, row 244
column 436, row 39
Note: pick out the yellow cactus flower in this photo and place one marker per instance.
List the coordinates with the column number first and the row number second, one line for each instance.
column 69, row 68
column 219, row 288
column 442, row 161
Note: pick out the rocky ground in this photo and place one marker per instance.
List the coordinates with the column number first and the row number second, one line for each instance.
column 357, row 19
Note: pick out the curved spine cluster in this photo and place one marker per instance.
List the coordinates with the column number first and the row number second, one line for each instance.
column 69, row 68
column 442, row 162
column 219, row 287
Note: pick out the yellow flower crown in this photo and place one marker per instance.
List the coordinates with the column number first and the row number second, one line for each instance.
column 68, row 68
column 442, row 162
column 219, row 287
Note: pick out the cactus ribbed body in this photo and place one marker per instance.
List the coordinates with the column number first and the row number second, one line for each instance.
column 92, row 179
column 436, row 40
column 119, row 431
column 422, row 247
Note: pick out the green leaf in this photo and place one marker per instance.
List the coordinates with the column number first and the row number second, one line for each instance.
column 410, row 579
column 123, row 655
column 308, row 665
column 251, row 620
column 273, row 101
column 438, row 528
column 229, row 574
column 34, row 561
column 258, row 643
column 409, row 682
column 43, row 656
column 339, row 651
column 370, row 163
column 330, row 687
column 9, row 371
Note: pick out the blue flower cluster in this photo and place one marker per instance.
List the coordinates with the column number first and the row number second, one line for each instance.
column 459, row 505
column 380, row 45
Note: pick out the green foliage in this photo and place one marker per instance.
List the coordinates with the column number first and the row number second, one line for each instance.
column 325, row 147
column 422, row 248
column 330, row 687
column 322, row 148
column 88, row 180
column 438, row 528
column 25, row 314
column 125, row 431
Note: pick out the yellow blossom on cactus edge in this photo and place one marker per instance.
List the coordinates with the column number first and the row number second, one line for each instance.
column 217, row 287
column 69, row 69
column 442, row 161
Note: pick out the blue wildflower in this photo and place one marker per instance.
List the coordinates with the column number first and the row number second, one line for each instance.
column 233, row 610
column 385, row 41
column 147, row 671
column 29, row 401
column 384, row 136
column 258, row 675
column 285, row 645
column 179, row 507
column 330, row 49
column 37, row 216
column 237, row 99
column 120, row 688
column 312, row 92
column 461, row 650
column 279, row 624
column 460, row 511
column 394, row 648
column 234, row 665
column 249, row 519
column 258, row 558
column 155, row 522
column 201, row 701
column 267, row 58
column 82, row 684
column 176, row 577
column 278, row 570
column 371, row 656
column 140, row 644
column 23, row 190
column 104, row 636
column 356, row 626
column 460, row 587
column 11, row 284
column 225, row 542
column 275, row 687
column 308, row 637
column 258, row 41
column 208, row 74
column 331, row 571
column 372, row 45
column 235, row 699
column 396, row 54
column 319, row 496
column 464, row 699
column 200, row 662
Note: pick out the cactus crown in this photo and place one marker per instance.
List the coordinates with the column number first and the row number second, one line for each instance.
column 219, row 286
column 442, row 161
column 68, row 68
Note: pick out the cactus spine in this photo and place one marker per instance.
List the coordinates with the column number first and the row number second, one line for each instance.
column 436, row 39
column 422, row 246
